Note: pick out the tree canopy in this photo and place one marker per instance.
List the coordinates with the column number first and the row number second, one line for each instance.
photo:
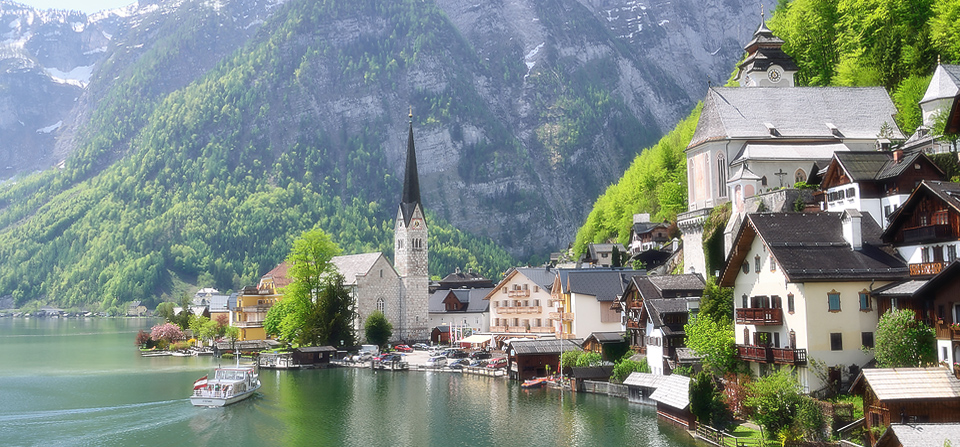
column 902, row 341
column 377, row 329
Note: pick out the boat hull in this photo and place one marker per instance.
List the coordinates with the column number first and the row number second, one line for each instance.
column 214, row 401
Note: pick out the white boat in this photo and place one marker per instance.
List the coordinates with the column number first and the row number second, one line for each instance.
column 228, row 385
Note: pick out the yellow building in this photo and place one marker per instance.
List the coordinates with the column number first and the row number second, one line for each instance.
column 253, row 303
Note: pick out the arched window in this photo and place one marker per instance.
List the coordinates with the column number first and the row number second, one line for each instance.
column 381, row 305
column 721, row 174
column 800, row 176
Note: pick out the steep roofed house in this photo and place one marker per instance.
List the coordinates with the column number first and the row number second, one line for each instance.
column 801, row 288
column 875, row 182
column 520, row 304
column 655, row 310
column 587, row 298
column 459, row 300
column 602, row 255
column 646, row 235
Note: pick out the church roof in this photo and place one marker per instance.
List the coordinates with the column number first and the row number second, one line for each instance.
column 945, row 83
column 788, row 151
column 770, row 113
column 411, row 181
column 351, row 266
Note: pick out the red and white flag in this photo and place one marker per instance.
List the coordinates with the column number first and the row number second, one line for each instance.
column 200, row 383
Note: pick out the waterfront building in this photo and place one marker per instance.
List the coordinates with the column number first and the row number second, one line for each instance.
column 459, row 300
column 520, row 305
column 587, row 300
column 801, row 286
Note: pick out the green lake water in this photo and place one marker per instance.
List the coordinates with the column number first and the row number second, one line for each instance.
column 82, row 382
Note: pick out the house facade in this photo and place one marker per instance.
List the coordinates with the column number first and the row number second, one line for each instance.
column 588, row 299
column 801, row 286
column 520, row 304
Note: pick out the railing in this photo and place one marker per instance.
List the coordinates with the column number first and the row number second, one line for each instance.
column 260, row 308
column 759, row 354
column 760, row 316
column 927, row 233
column 789, row 356
column 947, row 331
column 926, row 268
column 522, row 329
column 716, row 437
column 518, row 293
column 520, row 310
column 633, row 324
column 565, row 316
column 248, row 324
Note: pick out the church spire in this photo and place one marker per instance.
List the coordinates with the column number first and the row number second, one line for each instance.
column 411, row 181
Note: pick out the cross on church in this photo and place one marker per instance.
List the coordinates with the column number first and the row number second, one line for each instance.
column 780, row 175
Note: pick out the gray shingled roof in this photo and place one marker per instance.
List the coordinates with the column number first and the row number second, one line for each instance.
column 910, row 383
column 923, row 435
column 658, row 307
column 539, row 275
column 350, row 266
column 686, row 281
column 605, row 285
column 900, row 288
column 473, row 297
column 674, row 392
column 546, row 346
column 646, row 380
column 605, row 337
column 732, row 113
column 813, row 152
column 945, row 83
column 811, row 247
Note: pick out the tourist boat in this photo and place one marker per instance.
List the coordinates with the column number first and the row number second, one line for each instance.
column 227, row 386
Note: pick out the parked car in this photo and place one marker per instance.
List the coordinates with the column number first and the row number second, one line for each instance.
column 388, row 358
column 459, row 364
column 455, row 354
column 497, row 363
column 479, row 363
column 437, row 361
column 420, row 346
column 403, row 348
column 480, row 355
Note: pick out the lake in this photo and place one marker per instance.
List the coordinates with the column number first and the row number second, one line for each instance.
column 82, row 382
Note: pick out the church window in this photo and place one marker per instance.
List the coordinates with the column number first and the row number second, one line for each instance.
column 721, row 174
column 763, row 181
column 380, row 305
column 756, row 263
column 800, row 176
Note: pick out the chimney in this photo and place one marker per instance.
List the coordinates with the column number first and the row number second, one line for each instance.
column 897, row 155
column 852, row 229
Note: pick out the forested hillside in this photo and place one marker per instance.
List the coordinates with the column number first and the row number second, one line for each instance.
column 895, row 44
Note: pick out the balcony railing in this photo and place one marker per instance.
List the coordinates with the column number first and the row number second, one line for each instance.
column 248, row 324
column 518, row 293
column 926, row 268
column 260, row 308
column 927, row 233
column 633, row 324
column 759, row 354
column 565, row 316
column 760, row 316
column 789, row 356
column 523, row 329
column 520, row 310
column 946, row 332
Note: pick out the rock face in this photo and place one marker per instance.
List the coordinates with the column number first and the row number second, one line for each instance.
column 524, row 115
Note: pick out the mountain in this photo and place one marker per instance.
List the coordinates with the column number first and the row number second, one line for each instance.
column 208, row 134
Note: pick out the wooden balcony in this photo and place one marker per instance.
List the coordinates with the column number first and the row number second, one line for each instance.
column 760, row 354
column 565, row 316
column 946, row 332
column 760, row 316
column 520, row 310
column 789, row 356
column 926, row 268
column 927, row 234
column 248, row 324
column 522, row 329
column 633, row 324
column 518, row 293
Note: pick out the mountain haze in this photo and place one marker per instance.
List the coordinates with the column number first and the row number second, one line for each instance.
column 208, row 134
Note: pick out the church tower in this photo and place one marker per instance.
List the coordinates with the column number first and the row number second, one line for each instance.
column 410, row 245
column 766, row 65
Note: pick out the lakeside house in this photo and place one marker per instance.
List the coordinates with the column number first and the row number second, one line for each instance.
column 527, row 359
column 459, row 300
column 587, row 299
column 520, row 305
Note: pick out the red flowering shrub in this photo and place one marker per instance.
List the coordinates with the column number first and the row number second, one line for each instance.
column 168, row 332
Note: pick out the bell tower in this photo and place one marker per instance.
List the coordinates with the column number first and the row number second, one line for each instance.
column 410, row 248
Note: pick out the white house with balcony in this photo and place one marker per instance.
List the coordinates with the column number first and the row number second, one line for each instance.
column 801, row 287
column 520, row 304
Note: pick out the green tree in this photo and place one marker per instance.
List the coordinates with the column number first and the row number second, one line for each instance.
column 717, row 302
column 706, row 401
column 334, row 315
column 623, row 368
column 589, row 359
column 902, row 341
column 714, row 342
column 774, row 400
column 377, row 330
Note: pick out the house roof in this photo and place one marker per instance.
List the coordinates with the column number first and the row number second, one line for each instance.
column 922, row 435
column 592, row 372
column 316, row 349
column 472, row 297
column 546, row 347
column 351, row 266
column 219, row 303
column 606, row 337
column 871, row 166
column 903, row 288
column 674, row 392
column 658, row 307
column 947, row 192
column 945, row 83
column 606, row 285
column 646, row 380
column 733, row 113
column 924, row 383
column 646, row 227
column 810, row 247
column 280, row 276
column 469, row 278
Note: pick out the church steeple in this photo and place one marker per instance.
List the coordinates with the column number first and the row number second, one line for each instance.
column 766, row 65
column 411, row 181
column 411, row 251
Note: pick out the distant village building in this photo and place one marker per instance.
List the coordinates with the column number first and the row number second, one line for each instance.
column 646, row 235
column 602, row 255
column 587, row 298
column 459, row 300
column 520, row 305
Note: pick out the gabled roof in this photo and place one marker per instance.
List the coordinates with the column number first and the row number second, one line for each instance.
column 548, row 347
column 606, row 337
column 645, row 380
column 279, row 275
column 909, row 383
column 657, row 308
column 472, row 297
column 673, row 392
column 734, row 113
column 646, row 227
column 872, row 166
column 540, row 276
column 810, row 247
column 921, row 435
column 351, row 266
column 945, row 83
column 606, row 285
column 469, row 278
column 947, row 192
